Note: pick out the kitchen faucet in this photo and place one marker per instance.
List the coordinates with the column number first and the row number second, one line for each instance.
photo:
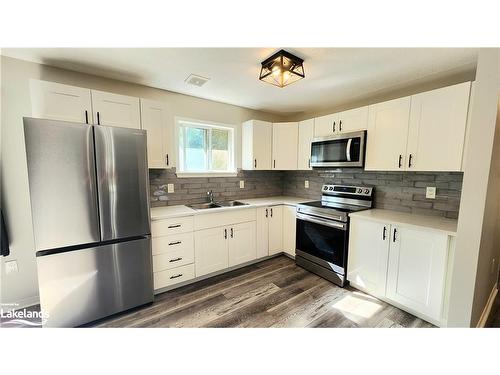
column 210, row 195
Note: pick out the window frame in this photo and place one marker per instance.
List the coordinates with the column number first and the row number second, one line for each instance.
column 182, row 123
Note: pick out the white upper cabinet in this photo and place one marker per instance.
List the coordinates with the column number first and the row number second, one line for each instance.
column 256, row 145
column 116, row 110
column 352, row 120
column 387, row 135
column 55, row 101
column 285, row 144
column 368, row 255
column 417, row 269
column 155, row 119
column 306, row 134
column 325, row 126
column 438, row 121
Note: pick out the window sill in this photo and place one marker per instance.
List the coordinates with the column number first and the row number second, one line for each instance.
column 205, row 174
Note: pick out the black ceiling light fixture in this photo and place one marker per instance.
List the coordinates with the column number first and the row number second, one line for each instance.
column 282, row 69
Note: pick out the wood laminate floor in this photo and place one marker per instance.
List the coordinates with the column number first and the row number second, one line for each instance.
column 272, row 293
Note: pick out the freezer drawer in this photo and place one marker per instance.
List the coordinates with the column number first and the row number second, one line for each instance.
column 122, row 180
column 80, row 286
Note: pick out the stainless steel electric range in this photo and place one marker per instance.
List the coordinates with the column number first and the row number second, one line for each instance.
column 323, row 230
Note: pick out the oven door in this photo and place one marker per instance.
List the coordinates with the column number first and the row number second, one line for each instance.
column 346, row 150
column 321, row 240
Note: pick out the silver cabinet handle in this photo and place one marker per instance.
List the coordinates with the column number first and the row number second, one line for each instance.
column 174, row 243
column 174, row 226
column 175, row 260
column 176, row 276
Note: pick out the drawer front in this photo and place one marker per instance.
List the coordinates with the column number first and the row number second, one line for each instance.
column 223, row 218
column 176, row 275
column 173, row 259
column 174, row 243
column 167, row 227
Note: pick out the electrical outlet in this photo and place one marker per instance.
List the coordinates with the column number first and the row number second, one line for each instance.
column 306, row 184
column 430, row 192
column 11, row 267
column 170, row 188
column 242, row 184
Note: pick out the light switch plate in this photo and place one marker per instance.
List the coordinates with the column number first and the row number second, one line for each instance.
column 430, row 192
column 242, row 184
column 11, row 267
column 306, row 184
column 170, row 188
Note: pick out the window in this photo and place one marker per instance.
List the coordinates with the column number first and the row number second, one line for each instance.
column 205, row 148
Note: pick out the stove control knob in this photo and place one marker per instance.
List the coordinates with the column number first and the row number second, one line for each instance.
column 360, row 191
column 367, row 191
column 325, row 188
column 331, row 187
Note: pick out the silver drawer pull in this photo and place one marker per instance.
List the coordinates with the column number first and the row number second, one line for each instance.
column 174, row 226
column 175, row 260
column 174, row 243
column 176, row 276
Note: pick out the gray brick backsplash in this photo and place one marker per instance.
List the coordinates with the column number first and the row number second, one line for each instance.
column 401, row 191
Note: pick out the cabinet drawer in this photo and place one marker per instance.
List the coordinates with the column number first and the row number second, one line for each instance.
column 175, row 225
column 176, row 275
column 173, row 259
column 173, row 243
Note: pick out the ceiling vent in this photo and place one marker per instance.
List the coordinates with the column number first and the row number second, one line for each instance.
column 195, row 80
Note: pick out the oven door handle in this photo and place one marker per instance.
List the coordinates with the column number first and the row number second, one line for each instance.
column 348, row 149
column 327, row 223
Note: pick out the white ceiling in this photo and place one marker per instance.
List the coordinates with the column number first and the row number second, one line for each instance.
column 334, row 76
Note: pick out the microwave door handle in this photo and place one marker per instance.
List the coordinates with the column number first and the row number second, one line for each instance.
column 348, row 149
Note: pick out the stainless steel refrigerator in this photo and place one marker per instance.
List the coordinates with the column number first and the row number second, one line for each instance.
column 90, row 208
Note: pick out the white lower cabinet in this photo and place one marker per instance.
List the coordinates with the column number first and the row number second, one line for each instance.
column 242, row 247
column 173, row 276
column 417, row 269
column 289, row 230
column 211, row 250
column 269, row 231
column 405, row 265
column 368, row 253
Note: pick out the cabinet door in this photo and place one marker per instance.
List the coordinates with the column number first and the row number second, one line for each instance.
column 325, row 126
column 155, row 120
column 353, row 120
column 285, row 144
column 262, row 232
column 275, row 229
column 256, row 145
column 417, row 269
column 306, row 134
column 387, row 135
column 116, row 110
column 211, row 250
column 242, row 246
column 437, row 129
column 368, row 255
column 54, row 101
column 289, row 230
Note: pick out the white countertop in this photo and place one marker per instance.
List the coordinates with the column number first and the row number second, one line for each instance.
column 403, row 218
column 158, row 213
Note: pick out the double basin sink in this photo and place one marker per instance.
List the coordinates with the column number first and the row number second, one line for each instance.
column 204, row 206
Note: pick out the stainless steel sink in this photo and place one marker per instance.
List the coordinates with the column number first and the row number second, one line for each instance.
column 203, row 206
column 232, row 204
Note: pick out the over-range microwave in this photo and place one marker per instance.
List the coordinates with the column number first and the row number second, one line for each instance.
column 343, row 150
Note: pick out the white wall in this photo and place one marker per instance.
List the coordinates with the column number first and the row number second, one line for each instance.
column 21, row 287
column 478, row 226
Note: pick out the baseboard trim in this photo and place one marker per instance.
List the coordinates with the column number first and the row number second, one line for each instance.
column 487, row 309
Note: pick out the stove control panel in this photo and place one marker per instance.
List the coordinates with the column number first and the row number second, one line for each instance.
column 363, row 191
